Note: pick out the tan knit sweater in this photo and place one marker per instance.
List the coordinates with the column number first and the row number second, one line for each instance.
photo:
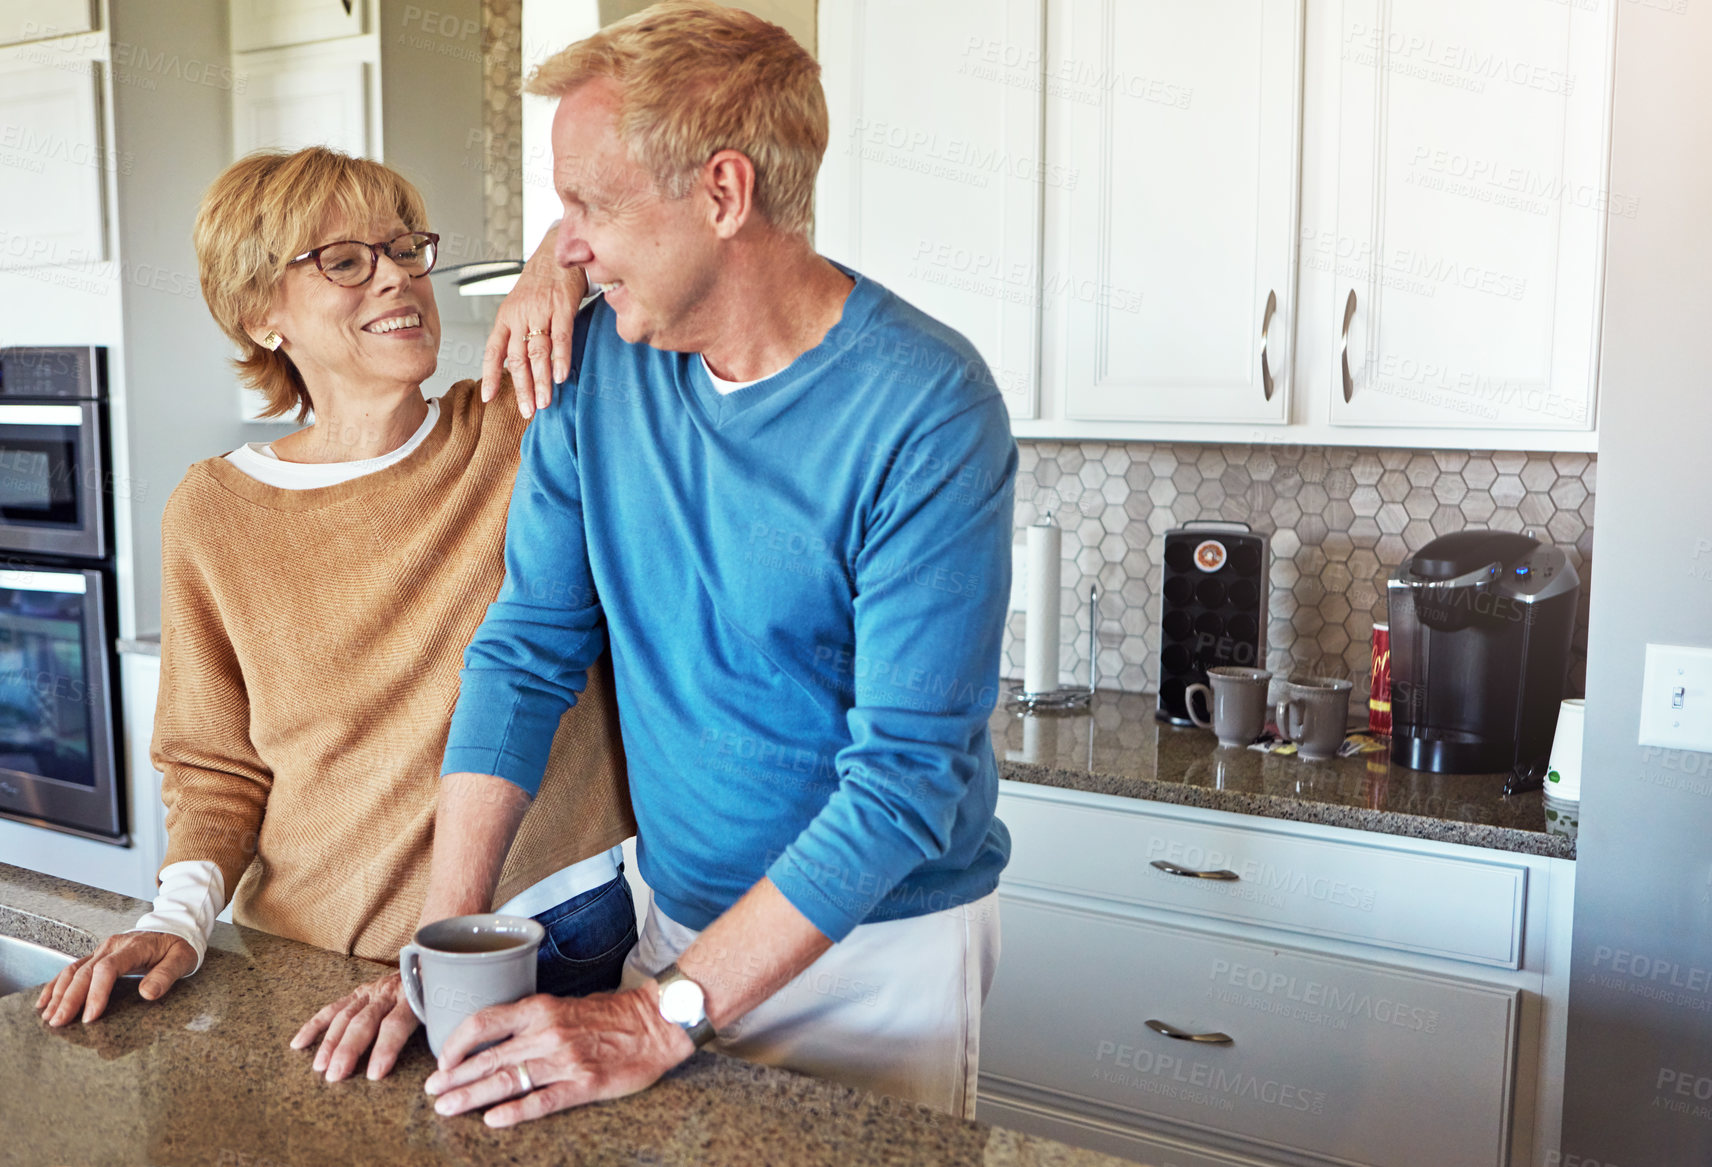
column 310, row 648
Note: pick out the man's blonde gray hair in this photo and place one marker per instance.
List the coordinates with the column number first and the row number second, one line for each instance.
column 696, row 78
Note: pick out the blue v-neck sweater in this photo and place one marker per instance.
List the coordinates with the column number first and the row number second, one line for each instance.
column 803, row 584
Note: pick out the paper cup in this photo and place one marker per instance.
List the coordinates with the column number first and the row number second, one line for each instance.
column 1563, row 779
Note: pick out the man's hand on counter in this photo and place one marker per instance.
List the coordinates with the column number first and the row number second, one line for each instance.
column 572, row 1050
column 374, row 1013
column 87, row 983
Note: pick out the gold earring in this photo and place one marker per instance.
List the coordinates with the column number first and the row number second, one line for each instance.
column 271, row 341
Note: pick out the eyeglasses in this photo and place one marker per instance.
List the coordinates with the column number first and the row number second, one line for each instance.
column 351, row 264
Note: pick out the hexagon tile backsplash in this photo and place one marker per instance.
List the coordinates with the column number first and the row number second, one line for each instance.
column 1340, row 519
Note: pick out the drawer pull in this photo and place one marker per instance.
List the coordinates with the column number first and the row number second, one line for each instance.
column 1191, row 873
column 1185, row 1035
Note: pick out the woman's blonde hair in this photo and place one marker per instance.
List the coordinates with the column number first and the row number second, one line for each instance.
column 697, row 78
column 261, row 211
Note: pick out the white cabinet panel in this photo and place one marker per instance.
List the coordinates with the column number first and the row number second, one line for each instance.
column 933, row 171
column 53, row 168
column 1176, row 125
column 1367, row 894
column 267, row 24
column 1471, row 199
column 291, row 103
column 34, row 20
column 1356, row 1063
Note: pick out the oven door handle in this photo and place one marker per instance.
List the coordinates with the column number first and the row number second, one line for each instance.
column 56, row 415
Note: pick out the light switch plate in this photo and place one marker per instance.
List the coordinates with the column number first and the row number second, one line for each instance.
column 1676, row 698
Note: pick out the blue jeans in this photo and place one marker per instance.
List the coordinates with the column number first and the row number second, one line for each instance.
column 588, row 937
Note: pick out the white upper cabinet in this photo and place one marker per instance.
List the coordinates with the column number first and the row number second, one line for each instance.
column 1170, row 274
column 303, row 97
column 271, row 24
column 1470, row 206
column 934, row 169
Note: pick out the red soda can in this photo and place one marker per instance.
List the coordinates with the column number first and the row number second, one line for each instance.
column 1379, row 696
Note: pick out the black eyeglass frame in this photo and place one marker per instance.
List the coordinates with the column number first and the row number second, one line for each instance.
column 375, row 252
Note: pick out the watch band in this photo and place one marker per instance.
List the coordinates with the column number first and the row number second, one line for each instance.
column 700, row 1030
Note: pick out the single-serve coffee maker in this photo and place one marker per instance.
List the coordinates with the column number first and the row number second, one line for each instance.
column 1481, row 624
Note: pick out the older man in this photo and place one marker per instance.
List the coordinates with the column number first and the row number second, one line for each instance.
column 783, row 495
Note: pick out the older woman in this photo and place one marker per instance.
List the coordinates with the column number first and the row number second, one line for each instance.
column 318, row 593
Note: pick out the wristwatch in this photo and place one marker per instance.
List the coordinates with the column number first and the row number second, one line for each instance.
column 683, row 1003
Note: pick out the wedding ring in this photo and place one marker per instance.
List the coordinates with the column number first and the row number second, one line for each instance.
column 524, row 1084
column 536, row 332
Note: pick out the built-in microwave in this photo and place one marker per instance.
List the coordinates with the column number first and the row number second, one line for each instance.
column 55, row 485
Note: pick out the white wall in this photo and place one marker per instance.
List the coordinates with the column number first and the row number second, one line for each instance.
column 1640, row 1043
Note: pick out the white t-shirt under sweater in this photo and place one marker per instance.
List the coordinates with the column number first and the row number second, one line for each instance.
column 192, row 893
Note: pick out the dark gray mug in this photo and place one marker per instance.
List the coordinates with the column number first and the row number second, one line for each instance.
column 1314, row 714
column 1237, row 700
column 459, row 966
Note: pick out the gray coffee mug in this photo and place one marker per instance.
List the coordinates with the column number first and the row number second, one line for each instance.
column 1314, row 714
column 459, row 966
column 1237, row 700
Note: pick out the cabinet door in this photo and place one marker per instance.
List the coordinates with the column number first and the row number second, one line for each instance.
column 52, row 198
column 268, row 24
column 1174, row 127
column 933, row 171
column 1352, row 1062
column 291, row 102
column 1472, row 168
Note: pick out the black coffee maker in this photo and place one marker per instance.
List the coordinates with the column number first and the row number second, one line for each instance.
column 1481, row 625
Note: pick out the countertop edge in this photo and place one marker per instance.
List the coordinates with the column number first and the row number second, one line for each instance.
column 1295, row 810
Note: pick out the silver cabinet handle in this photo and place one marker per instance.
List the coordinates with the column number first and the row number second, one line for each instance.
column 1191, row 873
column 1265, row 327
column 1343, row 349
column 1184, row 1035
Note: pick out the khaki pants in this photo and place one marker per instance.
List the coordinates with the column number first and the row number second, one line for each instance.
column 894, row 1007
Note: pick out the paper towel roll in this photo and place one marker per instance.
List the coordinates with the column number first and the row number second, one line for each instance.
column 1040, row 636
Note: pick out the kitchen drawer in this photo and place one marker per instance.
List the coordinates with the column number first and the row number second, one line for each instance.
column 1347, row 1061
column 1463, row 909
column 1094, row 1135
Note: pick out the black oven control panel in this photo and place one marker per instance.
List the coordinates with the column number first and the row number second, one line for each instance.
column 77, row 371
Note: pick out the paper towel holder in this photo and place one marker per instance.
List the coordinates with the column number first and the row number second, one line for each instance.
column 1067, row 698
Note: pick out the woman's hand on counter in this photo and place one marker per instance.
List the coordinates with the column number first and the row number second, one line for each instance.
column 87, row 983
column 375, row 1013
column 572, row 1049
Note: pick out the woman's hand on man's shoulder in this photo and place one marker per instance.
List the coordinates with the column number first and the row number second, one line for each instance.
column 531, row 336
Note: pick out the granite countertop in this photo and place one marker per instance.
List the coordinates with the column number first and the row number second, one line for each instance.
column 205, row 1076
column 1120, row 748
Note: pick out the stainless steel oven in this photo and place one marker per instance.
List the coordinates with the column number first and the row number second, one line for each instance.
column 59, row 721
column 58, row 734
column 54, row 482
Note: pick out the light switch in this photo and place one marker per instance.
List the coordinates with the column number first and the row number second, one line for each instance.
column 1676, row 698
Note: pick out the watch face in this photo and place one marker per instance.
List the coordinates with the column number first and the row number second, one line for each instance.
column 681, row 1003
